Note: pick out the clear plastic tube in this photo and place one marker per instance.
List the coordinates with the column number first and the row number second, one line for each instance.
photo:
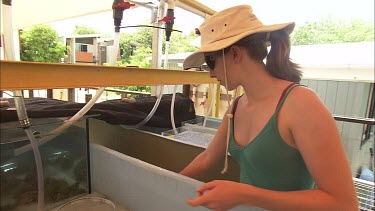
column 55, row 132
column 22, row 116
column 166, row 55
column 152, row 112
column 174, row 89
column 156, row 105
column 39, row 169
column 172, row 110
column 211, row 105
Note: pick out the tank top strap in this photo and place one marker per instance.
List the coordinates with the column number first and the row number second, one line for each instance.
column 234, row 107
column 285, row 93
column 283, row 96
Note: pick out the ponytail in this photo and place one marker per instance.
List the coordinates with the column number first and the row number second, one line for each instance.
column 278, row 62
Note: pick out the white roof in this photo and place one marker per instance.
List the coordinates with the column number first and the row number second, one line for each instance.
column 360, row 53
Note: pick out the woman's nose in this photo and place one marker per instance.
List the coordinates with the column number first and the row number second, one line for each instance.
column 212, row 75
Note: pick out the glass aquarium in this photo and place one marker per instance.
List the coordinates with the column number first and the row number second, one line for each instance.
column 65, row 160
column 211, row 122
column 192, row 134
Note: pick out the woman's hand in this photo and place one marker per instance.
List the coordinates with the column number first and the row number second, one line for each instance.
column 218, row 195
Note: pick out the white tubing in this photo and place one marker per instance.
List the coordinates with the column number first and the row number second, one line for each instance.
column 22, row 116
column 156, row 105
column 148, row 117
column 64, row 126
column 166, row 54
column 39, row 169
column 211, row 105
column 116, row 44
column 172, row 110
column 174, row 88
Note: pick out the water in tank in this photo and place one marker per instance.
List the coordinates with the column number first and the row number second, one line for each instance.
column 64, row 158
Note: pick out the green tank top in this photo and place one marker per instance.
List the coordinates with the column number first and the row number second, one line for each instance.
column 267, row 161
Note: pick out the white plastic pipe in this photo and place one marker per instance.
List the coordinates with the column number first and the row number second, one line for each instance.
column 211, row 105
column 172, row 110
column 116, row 44
column 174, row 88
column 8, row 32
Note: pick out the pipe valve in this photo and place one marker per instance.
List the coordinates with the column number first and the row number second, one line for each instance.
column 122, row 5
column 118, row 7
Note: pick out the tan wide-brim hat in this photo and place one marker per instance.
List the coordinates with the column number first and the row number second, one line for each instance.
column 227, row 27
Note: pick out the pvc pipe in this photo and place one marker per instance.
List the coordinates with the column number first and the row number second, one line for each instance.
column 116, row 44
column 8, row 32
column 172, row 110
column 211, row 105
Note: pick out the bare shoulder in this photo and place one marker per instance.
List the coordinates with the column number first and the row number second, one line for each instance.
column 302, row 93
column 302, row 97
column 303, row 105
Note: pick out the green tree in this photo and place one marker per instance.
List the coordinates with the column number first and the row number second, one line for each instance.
column 140, row 57
column 126, row 44
column 333, row 30
column 137, row 48
column 84, row 30
column 140, row 42
column 40, row 44
column 180, row 43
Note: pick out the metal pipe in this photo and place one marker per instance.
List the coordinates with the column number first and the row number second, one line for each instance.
column 195, row 7
column 366, row 121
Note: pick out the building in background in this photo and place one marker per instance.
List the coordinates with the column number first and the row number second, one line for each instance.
column 85, row 47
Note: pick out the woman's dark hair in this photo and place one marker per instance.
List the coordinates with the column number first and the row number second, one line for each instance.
column 278, row 63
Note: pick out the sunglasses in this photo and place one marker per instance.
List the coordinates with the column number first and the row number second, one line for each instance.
column 210, row 61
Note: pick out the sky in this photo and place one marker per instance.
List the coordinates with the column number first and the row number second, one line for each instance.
column 268, row 11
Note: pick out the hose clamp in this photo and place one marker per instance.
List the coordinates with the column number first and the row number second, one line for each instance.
column 25, row 123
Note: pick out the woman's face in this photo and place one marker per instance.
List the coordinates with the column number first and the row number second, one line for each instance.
column 214, row 61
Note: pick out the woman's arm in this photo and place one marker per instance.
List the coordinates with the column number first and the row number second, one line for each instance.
column 316, row 136
column 214, row 153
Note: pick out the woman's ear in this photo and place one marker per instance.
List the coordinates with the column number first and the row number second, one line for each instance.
column 237, row 53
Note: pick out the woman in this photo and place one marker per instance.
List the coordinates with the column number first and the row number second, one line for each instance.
column 283, row 137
